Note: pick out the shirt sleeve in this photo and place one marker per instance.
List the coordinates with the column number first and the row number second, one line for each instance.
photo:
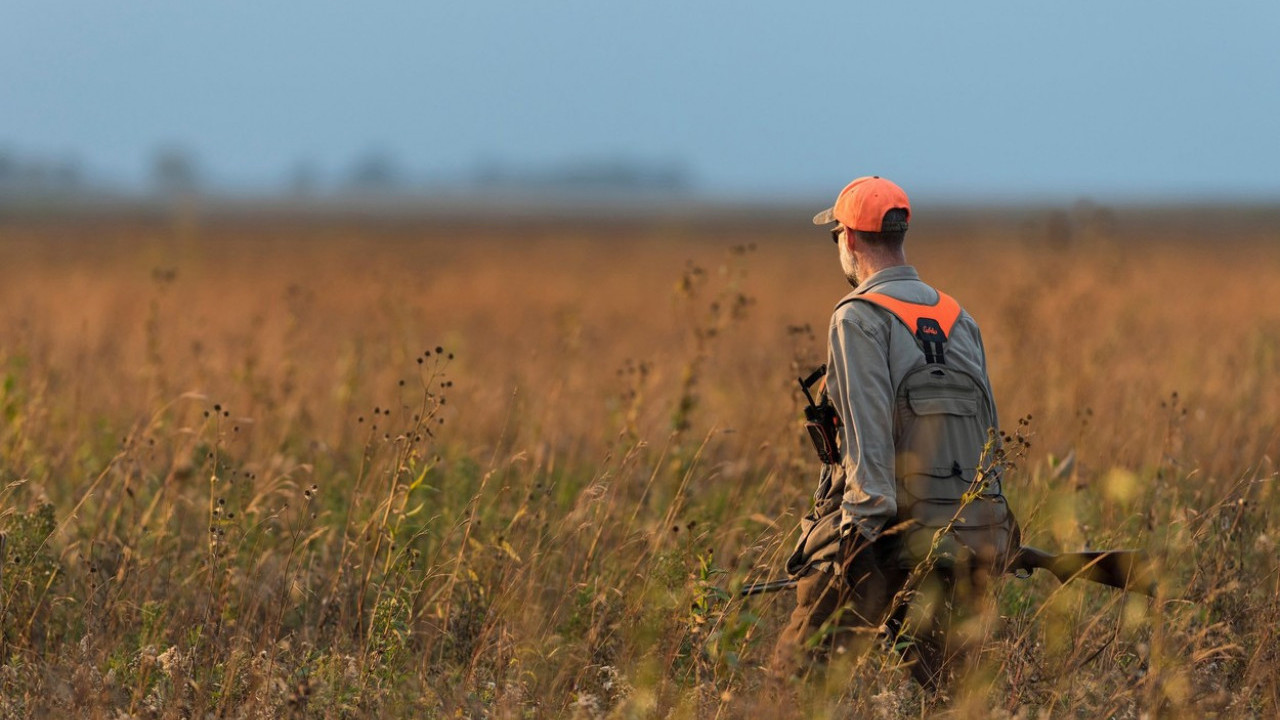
column 986, row 378
column 862, row 391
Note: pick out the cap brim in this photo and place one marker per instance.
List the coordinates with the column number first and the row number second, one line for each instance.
column 826, row 217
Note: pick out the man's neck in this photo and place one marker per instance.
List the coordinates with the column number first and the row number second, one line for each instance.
column 872, row 263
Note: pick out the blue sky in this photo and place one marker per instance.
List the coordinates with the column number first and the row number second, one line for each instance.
column 1000, row 100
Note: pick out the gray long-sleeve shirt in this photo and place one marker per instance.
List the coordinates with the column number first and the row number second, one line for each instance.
column 870, row 352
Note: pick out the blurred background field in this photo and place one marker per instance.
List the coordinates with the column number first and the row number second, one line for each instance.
column 415, row 464
column 404, row 359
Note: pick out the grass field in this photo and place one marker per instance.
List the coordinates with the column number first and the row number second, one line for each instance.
column 270, row 468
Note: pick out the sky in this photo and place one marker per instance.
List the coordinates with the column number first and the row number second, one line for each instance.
column 984, row 100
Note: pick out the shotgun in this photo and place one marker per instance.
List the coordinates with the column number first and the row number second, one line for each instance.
column 1124, row 569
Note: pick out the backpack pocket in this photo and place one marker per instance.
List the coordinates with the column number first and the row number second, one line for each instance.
column 983, row 531
column 940, row 431
column 943, row 404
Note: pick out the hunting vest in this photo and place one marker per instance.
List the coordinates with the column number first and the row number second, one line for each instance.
column 944, row 439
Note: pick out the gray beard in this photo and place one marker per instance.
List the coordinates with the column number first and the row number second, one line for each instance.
column 852, row 272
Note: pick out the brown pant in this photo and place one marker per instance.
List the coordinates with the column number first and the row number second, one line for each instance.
column 847, row 611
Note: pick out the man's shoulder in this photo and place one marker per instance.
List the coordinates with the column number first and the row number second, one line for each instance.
column 967, row 330
column 856, row 311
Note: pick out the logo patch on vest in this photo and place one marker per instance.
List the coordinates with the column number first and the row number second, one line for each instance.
column 932, row 338
column 929, row 329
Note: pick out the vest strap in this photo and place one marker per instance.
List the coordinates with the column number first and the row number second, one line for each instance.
column 931, row 324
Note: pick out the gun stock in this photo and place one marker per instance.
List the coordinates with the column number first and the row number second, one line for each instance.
column 1124, row 569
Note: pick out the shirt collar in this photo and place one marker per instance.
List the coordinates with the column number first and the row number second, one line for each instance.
column 891, row 274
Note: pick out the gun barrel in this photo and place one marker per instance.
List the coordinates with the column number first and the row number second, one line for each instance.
column 769, row 586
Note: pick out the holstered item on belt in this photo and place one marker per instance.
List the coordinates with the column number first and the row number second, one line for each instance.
column 821, row 420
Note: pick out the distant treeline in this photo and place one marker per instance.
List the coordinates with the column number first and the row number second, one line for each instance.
column 175, row 170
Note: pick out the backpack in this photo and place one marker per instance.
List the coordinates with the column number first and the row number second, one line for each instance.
column 942, row 424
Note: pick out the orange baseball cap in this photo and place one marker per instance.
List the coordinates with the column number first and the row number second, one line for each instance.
column 861, row 205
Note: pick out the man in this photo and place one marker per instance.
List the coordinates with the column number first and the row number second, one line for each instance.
column 910, row 442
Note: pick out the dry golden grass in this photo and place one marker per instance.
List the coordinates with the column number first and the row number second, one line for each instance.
column 226, row 486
